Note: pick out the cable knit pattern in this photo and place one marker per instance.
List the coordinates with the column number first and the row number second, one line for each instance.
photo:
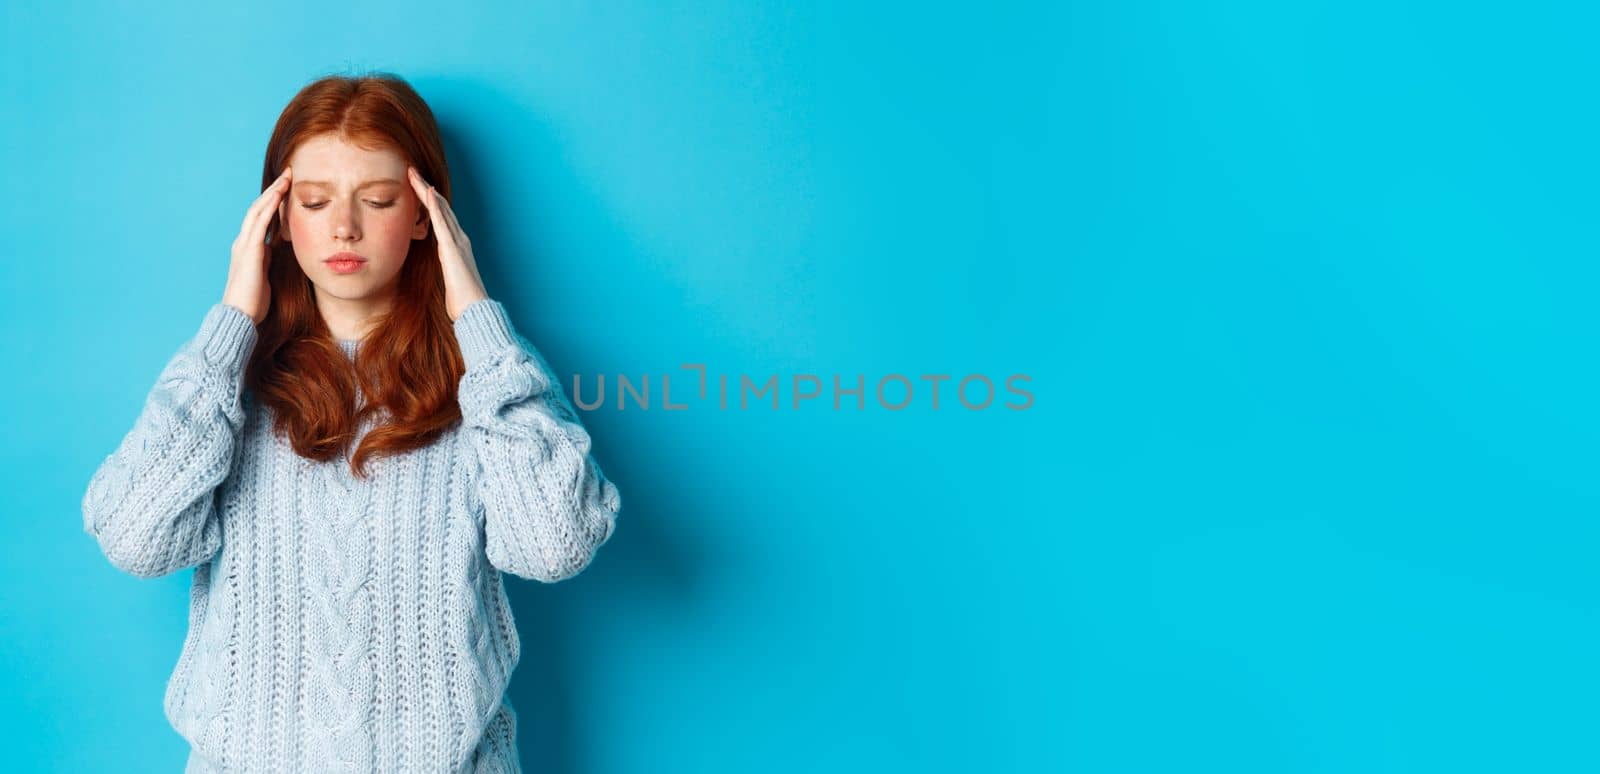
column 341, row 625
column 546, row 502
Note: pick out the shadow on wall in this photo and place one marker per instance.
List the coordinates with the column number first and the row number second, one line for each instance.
column 639, row 568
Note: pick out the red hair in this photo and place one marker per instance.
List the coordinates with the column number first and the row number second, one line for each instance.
column 408, row 367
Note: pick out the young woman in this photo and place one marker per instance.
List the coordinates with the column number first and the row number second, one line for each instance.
column 349, row 452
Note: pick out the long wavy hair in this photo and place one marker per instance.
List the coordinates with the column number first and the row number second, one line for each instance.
column 408, row 367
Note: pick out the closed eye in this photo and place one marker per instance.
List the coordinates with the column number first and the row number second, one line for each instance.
column 320, row 205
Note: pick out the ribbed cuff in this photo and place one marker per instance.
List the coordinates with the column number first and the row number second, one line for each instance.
column 226, row 337
column 483, row 329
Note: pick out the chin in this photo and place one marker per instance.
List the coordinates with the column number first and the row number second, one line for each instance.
column 347, row 293
column 351, row 287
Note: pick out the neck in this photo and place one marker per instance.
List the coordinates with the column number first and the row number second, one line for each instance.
column 351, row 319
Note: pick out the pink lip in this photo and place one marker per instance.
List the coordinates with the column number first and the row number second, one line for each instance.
column 345, row 263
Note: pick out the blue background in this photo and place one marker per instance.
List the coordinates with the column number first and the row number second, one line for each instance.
column 1306, row 295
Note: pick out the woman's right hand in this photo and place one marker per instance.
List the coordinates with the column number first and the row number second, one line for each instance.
column 248, row 289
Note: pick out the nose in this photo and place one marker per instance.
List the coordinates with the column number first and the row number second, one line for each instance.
column 345, row 226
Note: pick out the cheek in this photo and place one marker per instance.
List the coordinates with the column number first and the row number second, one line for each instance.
column 388, row 237
column 298, row 222
column 390, row 228
column 392, row 221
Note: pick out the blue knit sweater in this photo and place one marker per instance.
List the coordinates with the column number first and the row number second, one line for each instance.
column 342, row 625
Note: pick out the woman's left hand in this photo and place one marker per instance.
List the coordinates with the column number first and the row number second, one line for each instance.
column 462, row 284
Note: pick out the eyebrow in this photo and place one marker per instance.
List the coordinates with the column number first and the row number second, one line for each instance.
column 325, row 184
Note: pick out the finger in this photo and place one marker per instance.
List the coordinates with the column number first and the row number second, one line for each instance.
column 263, row 218
column 271, row 208
column 455, row 224
column 418, row 185
column 273, row 189
column 426, row 193
column 443, row 216
column 449, row 214
column 267, row 199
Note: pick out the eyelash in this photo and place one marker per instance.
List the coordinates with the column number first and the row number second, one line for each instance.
column 320, row 205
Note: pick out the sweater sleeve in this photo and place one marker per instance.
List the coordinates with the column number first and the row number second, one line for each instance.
column 150, row 504
column 546, row 505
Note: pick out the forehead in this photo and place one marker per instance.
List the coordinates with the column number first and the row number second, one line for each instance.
column 328, row 158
